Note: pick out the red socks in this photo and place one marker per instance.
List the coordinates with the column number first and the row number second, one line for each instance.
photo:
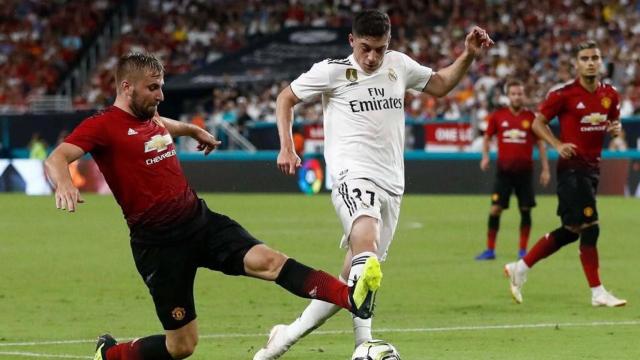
column 306, row 282
column 543, row 248
column 589, row 259
column 524, row 236
column 149, row 348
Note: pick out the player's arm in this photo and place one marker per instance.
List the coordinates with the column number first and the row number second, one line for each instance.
column 484, row 162
column 57, row 169
column 545, row 174
column 446, row 79
column 614, row 128
column 206, row 141
column 543, row 131
column 288, row 160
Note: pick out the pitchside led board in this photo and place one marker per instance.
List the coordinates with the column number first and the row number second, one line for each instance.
column 28, row 176
column 23, row 175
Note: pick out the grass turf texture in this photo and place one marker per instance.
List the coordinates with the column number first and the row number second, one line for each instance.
column 71, row 277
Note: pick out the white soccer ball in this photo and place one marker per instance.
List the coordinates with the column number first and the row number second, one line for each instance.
column 375, row 350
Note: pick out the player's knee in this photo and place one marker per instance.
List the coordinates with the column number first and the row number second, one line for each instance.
column 364, row 234
column 564, row 235
column 495, row 210
column 589, row 235
column 183, row 347
column 264, row 262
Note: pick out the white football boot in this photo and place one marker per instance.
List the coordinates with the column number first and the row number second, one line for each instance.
column 516, row 280
column 606, row 298
column 277, row 344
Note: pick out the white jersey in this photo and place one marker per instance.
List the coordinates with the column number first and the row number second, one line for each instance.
column 364, row 116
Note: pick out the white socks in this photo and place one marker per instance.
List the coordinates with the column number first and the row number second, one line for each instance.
column 317, row 312
column 522, row 267
column 314, row 315
column 597, row 290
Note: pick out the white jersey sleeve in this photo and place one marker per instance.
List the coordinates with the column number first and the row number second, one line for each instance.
column 417, row 76
column 312, row 83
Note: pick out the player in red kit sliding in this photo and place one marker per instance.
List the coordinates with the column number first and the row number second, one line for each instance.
column 173, row 232
column 512, row 127
column 587, row 110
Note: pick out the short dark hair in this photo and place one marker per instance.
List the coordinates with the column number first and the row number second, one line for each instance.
column 510, row 83
column 372, row 23
column 588, row 44
column 134, row 63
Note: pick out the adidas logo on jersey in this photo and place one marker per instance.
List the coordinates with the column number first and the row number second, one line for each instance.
column 580, row 105
column 504, row 124
column 132, row 132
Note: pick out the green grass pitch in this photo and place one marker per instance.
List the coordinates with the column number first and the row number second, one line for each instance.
column 66, row 278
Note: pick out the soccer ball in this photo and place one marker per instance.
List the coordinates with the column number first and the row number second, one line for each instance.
column 375, row 350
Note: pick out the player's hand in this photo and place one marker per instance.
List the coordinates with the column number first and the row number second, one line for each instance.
column 67, row 197
column 477, row 40
column 484, row 163
column 566, row 150
column 545, row 177
column 614, row 128
column 288, row 162
column 206, row 142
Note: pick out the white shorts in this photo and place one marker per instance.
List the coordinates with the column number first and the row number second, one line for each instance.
column 353, row 198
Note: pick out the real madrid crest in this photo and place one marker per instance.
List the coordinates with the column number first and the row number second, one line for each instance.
column 606, row 102
column 392, row 75
column 352, row 74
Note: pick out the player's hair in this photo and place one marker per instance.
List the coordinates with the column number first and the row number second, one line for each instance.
column 131, row 66
column 588, row 44
column 372, row 23
column 510, row 83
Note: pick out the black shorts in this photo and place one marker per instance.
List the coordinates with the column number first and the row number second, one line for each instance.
column 520, row 183
column 577, row 197
column 169, row 268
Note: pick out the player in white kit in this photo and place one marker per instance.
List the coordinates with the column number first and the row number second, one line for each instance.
column 364, row 124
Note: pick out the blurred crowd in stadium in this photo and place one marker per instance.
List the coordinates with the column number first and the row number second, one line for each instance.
column 39, row 42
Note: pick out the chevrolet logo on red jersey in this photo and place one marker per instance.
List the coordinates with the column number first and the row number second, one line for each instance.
column 158, row 143
column 514, row 134
column 594, row 119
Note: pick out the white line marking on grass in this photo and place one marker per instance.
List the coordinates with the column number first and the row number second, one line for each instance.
column 388, row 330
column 29, row 354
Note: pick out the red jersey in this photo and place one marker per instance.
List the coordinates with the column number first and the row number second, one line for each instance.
column 139, row 162
column 515, row 139
column 584, row 117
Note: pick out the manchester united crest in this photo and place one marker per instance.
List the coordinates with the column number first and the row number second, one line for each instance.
column 588, row 211
column 526, row 124
column 352, row 75
column 606, row 102
column 178, row 313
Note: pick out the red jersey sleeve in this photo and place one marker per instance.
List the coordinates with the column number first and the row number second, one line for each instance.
column 491, row 124
column 614, row 110
column 89, row 135
column 552, row 105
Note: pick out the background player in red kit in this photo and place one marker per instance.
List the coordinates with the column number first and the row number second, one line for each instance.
column 172, row 231
column 512, row 126
column 587, row 110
